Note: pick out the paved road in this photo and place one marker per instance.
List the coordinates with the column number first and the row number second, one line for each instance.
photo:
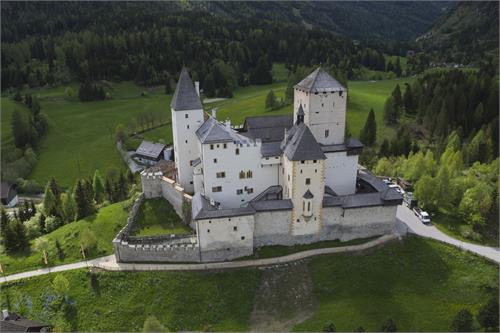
column 60, row 268
column 414, row 225
column 109, row 262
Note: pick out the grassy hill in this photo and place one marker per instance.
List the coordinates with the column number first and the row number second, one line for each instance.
column 420, row 284
column 104, row 225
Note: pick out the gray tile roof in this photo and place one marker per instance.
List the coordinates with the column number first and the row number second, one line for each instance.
column 185, row 96
column 267, row 128
column 196, row 161
column 301, row 145
column 319, row 81
column 351, row 144
column 212, row 131
column 308, row 195
column 150, row 149
column 272, row 205
column 272, row 192
column 270, row 149
column 382, row 195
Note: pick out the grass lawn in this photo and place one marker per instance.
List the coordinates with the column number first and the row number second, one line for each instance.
column 281, row 250
column 157, row 217
column 105, row 225
column 419, row 283
column 122, row 301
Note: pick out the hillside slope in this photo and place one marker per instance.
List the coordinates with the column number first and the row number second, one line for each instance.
column 466, row 33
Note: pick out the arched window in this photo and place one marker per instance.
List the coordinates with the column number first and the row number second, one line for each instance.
column 309, row 206
column 242, row 174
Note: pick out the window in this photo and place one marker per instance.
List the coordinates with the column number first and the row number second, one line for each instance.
column 288, row 177
column 191, row 182
column 242, row 237
column 217, row 189
column 249, row 190
column 242, row 174
column 215, row 160
column 303, row 205
column 191, row 163
column 186, row 141
column 308, row 181
column 208, row 231
column 302, row 162
column 186, row 116
column 235, row 228
column 309, row 206
column 327, row 133
column 314, row 161
column 315, row 170
column 237, row 151
column 224, row 146
column 239, row 191
column 187, row 126
column 217, row 146
column 221, row 174
column 249, row 174
column 322, row 105
column 211, row 147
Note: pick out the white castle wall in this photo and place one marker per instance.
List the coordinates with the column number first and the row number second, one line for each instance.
column 225, row 238
column 248, row 159
column 341, row 172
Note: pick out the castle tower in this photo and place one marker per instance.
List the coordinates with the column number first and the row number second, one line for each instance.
column 323, row 102
column 187, row 117
column 303, row 179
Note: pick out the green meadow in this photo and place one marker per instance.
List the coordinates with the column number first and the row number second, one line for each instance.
column 81, row 134
column 420, row 284
column 104, row 226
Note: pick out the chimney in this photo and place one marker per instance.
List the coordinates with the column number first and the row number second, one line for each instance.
column 214, row 113
column 197, row 87
column 228, row 123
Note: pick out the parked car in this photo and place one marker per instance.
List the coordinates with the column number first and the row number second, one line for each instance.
column 397, row 188
column 422, row 215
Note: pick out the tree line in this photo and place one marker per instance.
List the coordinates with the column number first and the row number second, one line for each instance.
column 107, row 41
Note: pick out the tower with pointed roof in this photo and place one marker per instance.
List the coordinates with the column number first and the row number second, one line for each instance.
column 187, row 117
column 322, row 100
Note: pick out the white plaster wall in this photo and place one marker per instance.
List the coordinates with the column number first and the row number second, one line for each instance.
column 249, row 158
column 151, row 185
column 307, row 222
column 219, row 234
column 272, row 228
column 186, row 144
column 341, row 171
column 323, row 111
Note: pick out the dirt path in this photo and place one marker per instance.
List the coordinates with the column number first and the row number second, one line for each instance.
column 285, row 298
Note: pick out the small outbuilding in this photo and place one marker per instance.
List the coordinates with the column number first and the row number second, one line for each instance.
column 12, row 322
column 149, row 153
column 9, row 196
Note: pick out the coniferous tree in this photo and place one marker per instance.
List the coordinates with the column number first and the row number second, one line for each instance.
column 396, row 95
column 270, row 100
column 98, row 187
column 368, row 134
column 390, row 112
column 408, row 100
column 49, row 202
column 462, row 322
column 384, row 148
column 19, row 129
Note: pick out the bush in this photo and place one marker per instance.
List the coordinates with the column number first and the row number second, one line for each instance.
column 52, row 223
column 462, row 321
column 329, row 327
column 88, row 240
column 389, row 326
column 33, row 227
column 487, row 315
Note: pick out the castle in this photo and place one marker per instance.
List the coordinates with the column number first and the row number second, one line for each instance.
column 276, row 180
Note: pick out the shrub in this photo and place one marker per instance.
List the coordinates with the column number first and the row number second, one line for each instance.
column 52, row 223
column 33, row 227
column 389, row 326
column 487, row 315
column 462, row 321
column 329, row 327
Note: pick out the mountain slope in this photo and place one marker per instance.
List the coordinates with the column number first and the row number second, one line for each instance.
column 363, row 20
column 466, row 33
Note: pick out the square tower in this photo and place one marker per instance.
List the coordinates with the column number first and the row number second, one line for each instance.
column 323, row 102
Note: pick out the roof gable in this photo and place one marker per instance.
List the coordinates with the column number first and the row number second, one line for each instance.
column 320, row 81
column 150, row 149
column 185, row 96
column 301, row 145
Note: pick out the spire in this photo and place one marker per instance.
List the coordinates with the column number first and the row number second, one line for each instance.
column 185, row 96
column 300, row 115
